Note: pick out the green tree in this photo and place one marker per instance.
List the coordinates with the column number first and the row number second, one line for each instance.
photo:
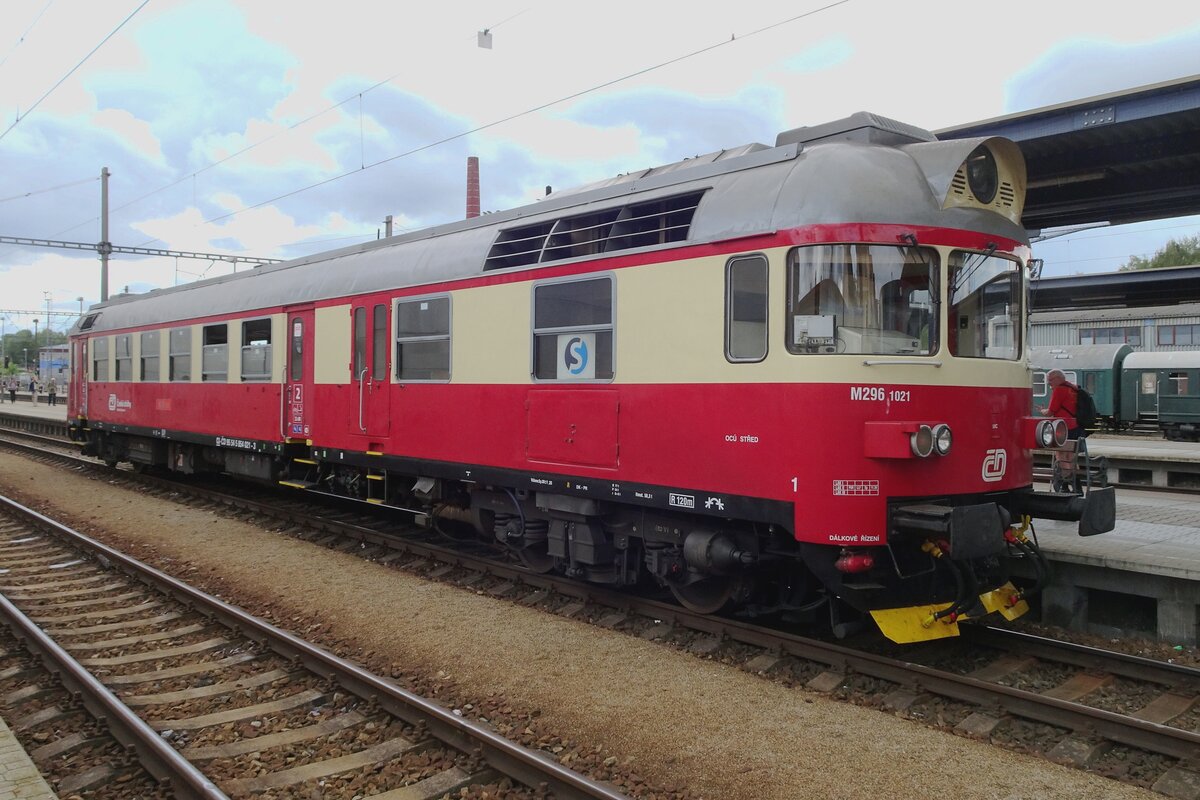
column 1175, row 253
column 20, row 345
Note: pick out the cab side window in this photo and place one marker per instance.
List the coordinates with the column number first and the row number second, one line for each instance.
column 746, row 309
column 1039, row 384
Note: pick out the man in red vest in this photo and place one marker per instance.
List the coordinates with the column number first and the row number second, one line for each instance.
column 1064, row 403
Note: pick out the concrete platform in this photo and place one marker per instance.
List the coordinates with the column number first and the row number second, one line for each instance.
column 1145, row 462
column 1144, row 575
column 19, row 778
column 1137, row 448
column 25, row 408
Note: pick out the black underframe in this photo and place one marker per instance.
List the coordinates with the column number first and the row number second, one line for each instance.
column 668, row 498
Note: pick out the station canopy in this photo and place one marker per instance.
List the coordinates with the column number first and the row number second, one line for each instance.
column 1116, row 158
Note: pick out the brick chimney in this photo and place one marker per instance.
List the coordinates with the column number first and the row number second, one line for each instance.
column 472, row 187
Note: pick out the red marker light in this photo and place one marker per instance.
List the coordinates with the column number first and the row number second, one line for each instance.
column 854, row 562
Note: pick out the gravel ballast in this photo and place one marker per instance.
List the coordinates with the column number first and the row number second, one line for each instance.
column 674, row 719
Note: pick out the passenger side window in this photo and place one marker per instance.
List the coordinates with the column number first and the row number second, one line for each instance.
column 150, row 341
column 379, row 337
column 1039, row 384
column 100, row 358
column 746, row 309
column 360, row 342
column 256, row 350
column 423, row 339
column 124, row 357
column 297, row 367
column 214, row 358
column 181, row 355
column 573, row 330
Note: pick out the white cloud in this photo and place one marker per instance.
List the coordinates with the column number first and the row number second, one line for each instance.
column 132, row 132
column 189, row 82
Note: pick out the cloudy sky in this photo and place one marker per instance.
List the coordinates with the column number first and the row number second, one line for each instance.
column 262, row 128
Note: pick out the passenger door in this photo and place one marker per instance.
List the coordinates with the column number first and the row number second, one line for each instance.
column 298, row 375
column 371, row 414
column 79, row 376
column 1148, row 394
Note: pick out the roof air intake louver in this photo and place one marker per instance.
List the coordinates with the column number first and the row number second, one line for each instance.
column 517, row 247
column 644, row 224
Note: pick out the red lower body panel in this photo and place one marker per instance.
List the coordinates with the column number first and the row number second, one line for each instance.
column 802, row 444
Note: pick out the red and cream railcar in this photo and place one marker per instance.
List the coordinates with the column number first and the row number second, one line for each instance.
column 780, row 377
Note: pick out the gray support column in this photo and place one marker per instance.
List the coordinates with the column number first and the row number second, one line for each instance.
column 1177, row 621
column 1065, row 606
column 105, row 246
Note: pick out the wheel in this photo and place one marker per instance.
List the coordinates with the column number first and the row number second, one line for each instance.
column 707, row 595
column 535, row 558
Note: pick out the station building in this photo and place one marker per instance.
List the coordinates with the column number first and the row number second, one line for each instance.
column 54, row 363
column 1150, row 310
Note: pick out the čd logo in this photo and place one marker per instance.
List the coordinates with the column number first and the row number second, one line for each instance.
column 995, row 462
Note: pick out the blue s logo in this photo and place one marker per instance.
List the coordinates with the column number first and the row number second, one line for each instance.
column 575, row 356
column 574, row 353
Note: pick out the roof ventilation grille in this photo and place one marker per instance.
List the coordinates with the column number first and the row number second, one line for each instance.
column 645, row 224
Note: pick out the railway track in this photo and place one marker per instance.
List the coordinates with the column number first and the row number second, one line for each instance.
column 73, row 751
column 1078, row 705
column 218, row 703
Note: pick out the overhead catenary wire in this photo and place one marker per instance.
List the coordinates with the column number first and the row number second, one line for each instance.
column 23, row 36
column 297, row 124
column 365, row 166
column 47, row 189
column 637, row 73
column 71, row 72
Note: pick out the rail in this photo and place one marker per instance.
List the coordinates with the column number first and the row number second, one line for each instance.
column 159, row 758
column 1128, row 730
column 527, row 766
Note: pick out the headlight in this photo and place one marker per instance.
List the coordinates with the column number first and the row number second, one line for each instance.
column 942, row 439
column 1045, row 433
column 1060, row 432
column 921, row 441
column 982, row 175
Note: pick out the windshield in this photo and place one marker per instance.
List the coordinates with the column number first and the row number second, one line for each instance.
column 985, row 306
column 860, row 298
